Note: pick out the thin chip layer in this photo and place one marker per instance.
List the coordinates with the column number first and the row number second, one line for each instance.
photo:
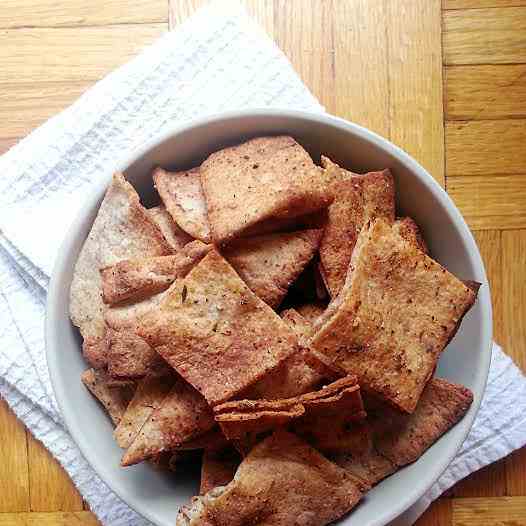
column 182, row 415
column 270, row 263
column 282, row 481
column 216, row 332
column 115, row 399
column 123, row 229
column 358, row 199
column 182, row 195
column 133, row 280
column 267, row 178
column 150, row 393
column 396, row 313
column 175, row 236
column 218, row 468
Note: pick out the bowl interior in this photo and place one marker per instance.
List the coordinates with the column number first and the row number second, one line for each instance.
column 157, row 496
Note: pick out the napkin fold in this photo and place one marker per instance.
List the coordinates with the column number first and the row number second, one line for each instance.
column 218, row 60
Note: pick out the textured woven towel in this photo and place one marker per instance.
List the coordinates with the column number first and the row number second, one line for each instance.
column 217, row 60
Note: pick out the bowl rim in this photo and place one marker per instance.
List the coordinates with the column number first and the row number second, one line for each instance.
column 52, row 314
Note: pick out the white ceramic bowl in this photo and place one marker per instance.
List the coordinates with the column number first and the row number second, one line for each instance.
column 157, row 496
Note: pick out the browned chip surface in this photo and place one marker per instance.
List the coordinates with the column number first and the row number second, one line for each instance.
column 218, row 468
column 408, row 229
column 122, row 230
column 182, row 415
column 150, row 393
column 175, row 236
column 396, row 313
column 282, row 481
column 133, row 280
column 182, row 194
column 311, row 311
column 358, row 199
column 269, row 264
column 216, row 332
column 115, row 399
column 267, row 178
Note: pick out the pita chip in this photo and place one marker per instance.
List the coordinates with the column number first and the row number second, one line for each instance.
column 218, row 468
column 358, row 199
column 175, row 236
column 133, row 280
column 394, row 316
column 114, row 399
column 389, row 440
column 151, row 392
column 269, row 264
column 216, row 332
column 311, row 311
column 122, row 230
column 182, row 195
column 213, row 440
column 282, row 481
column 408, row 230
column 182, row 415
column 267, row 178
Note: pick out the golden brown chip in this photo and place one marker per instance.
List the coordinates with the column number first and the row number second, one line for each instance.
column 396, row 313
column 408, row 229
column 115, row 399
column 134, row 280
column 218, row 468
column 282, row 481
column 267, row 178
column 122, row 230
column 182, row 415
column 182, row 194
column 311, row 311
column 150, row 393
column 216, row 332
column 269, row 264
column 175, row 237
column 358, row 199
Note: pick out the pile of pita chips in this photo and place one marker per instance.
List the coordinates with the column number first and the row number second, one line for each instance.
column 208, row 329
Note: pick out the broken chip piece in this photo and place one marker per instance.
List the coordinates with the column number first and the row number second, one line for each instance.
column 216, row 332
column 366, row 332
column 267, row 178
column 175, row 237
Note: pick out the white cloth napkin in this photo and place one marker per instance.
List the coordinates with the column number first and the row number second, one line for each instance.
column 219, row 59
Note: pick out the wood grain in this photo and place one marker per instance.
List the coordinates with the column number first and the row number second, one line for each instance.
column 14, row 492
column 467, row 4
column 6, row 143
column 24, row 106
column 438, row 514
column 486, row 147
column 490, row 202
column 415, row 82
column 70, row 54
column 485, row 36
column 79, row 518
column 50, row 13
column 50, row 487
column 498, row 511
column 485, row 92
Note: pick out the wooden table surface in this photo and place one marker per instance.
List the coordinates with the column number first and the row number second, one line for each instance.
column 446, row 82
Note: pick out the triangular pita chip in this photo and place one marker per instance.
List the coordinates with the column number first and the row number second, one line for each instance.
column 115, row 399
column 391, row 440
column 175, row 236
column 122, row 230
column 408, row 229
column 216, row 332
column 182, row 415
column 358, row 199
column 218, row 468
column 133, row 280
column 262, row 179
column 269, row 264
column 150, row 393
column 282, row 481
column 396, row 313
column 182, row 195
